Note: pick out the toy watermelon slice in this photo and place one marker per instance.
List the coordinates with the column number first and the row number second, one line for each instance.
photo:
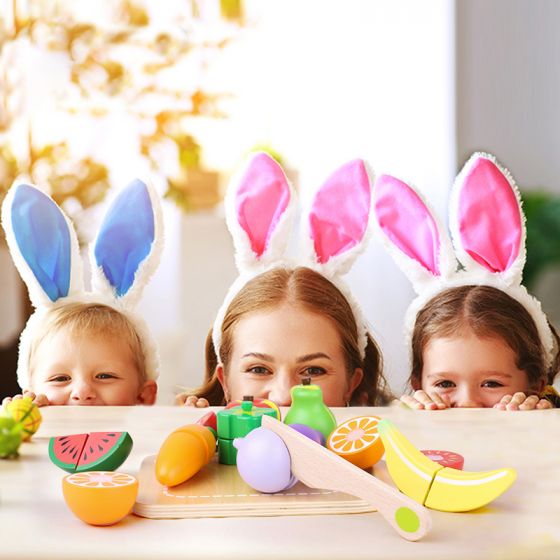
column 104, row 451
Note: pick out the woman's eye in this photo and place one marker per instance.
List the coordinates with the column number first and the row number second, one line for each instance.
column 106, row 376
column 258, row 370
column 492, row 384
column 314, row 370
column 445, row 384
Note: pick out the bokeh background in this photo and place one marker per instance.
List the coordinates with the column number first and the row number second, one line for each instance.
column 93, row 94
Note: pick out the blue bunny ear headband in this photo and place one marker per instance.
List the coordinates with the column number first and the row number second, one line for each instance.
column 45, row 250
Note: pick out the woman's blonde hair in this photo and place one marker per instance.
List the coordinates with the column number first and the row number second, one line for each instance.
column 488, row 312
column 94, row 319
column 316, row 293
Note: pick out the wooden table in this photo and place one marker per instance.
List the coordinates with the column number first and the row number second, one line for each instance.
column 523, row 523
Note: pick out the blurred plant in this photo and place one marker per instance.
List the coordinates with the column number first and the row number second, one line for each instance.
column 542, row 211
column 123, row 66
column 267, row 149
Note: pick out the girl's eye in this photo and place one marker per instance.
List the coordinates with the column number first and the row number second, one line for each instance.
column 106, row 376
column 492, row 384
column 258, row 370
column 445, row 384
column 314, row 371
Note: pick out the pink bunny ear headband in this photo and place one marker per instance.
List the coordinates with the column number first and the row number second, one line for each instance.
column 44, row 247
column 260, row 206
column 488, row 231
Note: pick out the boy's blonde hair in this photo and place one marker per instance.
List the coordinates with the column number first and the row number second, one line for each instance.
column 91, row 318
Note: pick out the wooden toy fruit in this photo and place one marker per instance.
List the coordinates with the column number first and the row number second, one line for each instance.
column 89, row 452
column 100, row 497
column 263, row 461
column 308, row 408
column 237, row 422
column 445, row 458
column 24, row 410
column 358, row 441
column 10, row 437
column 184, row 453
column 257, row 403
column 434, row 485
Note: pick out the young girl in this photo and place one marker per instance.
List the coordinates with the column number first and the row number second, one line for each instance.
column 475, row 346
column 280, row 321
column 285, row 325
column 477, row 338
column 85, row 347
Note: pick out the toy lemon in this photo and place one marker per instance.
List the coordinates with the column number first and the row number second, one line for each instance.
column 25, row 411
column 100, row 497
column 357, row 441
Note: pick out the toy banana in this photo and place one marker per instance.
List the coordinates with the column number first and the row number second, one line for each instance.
column 433, row 485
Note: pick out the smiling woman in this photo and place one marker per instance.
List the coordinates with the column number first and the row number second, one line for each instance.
column 282, row 326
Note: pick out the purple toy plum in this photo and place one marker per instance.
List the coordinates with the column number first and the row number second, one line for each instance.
column 311, row 433
column 263, row 461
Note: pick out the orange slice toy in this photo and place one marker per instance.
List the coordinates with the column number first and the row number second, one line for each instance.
column 100, row 497
column 357, row 441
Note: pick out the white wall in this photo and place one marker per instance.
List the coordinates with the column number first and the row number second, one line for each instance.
column 323, row 82
column 508, row 92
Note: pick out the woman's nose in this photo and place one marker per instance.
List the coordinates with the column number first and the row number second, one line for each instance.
column 279, row 391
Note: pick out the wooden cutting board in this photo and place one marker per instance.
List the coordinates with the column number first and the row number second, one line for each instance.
column 219, row 491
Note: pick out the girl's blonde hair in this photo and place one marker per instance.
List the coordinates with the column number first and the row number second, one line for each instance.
column 315, row 293
column 94, row 319
column 488, row 312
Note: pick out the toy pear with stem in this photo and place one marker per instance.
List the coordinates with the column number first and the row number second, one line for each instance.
column 308, row 408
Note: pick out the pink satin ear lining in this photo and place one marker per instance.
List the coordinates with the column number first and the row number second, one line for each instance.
column 262, row 198
column 489, row 217
column 407, row 222
column 340, row 211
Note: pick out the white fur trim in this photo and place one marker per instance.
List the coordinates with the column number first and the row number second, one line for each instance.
column 420, row 277
column 102, row 292
column 275, row 257
column 34, row 325
column 483, row 278
column 37, row 295
column 245, row 258
column 514, row 274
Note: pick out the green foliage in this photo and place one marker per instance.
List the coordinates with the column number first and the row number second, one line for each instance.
column 542, row 210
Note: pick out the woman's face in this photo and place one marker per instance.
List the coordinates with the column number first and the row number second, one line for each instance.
column 275, row 349
column 467, row 371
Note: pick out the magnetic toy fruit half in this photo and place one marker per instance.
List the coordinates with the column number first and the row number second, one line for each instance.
column 434, row 485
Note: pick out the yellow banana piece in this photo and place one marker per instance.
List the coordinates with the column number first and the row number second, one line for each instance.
column 434, row 486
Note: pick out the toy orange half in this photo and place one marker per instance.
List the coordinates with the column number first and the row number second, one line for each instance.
column 100, row 497
column 357, row 441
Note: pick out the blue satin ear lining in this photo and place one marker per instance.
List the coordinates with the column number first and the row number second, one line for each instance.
column 42, row 235
column 126, row 236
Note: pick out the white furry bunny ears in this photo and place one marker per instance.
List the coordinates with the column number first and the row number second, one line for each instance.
column 488, row 232
column 260, row 206
column 44, row 247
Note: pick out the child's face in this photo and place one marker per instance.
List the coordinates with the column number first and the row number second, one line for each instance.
column 88, row 369
column 471, row 372
column 274, row 350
